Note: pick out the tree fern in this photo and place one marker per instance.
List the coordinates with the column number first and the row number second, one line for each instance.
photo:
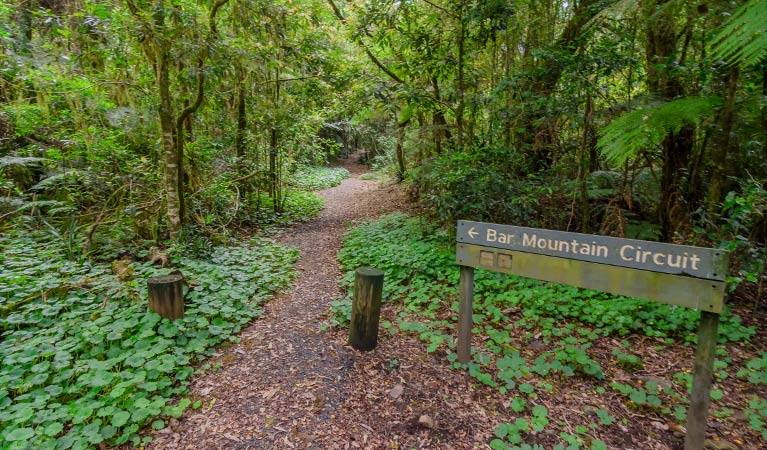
column 626, row 136
column 743, row 38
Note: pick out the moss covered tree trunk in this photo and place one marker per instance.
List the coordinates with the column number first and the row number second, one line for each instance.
column 167, row 127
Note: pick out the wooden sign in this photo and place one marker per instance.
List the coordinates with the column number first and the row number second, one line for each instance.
column 695, row 293
column 681, row 275
column 698, row 262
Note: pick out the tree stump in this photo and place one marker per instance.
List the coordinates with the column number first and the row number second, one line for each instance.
column 366, row 308
column 166, row 296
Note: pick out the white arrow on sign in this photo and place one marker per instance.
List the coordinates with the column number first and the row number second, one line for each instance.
column 472, row 233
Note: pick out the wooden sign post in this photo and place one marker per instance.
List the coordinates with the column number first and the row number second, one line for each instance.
column 681, row 275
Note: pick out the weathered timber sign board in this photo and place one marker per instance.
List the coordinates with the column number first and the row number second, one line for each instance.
column 694, row 293
column 680, row 275
column 698, row 262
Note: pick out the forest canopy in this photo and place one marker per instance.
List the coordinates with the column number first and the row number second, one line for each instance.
column 633, row 118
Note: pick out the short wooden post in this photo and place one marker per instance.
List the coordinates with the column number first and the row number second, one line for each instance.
column 166, row 295
column 465, row 321
column 366, row 308
column 697, row 415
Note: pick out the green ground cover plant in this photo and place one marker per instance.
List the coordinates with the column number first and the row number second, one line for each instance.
column 85, row 363
column 297, row 206
column 756, row 370
column 538, row 334
column 376, row 175
column 315, row 178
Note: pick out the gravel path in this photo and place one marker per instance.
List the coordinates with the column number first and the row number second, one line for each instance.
column 288, row 384
column 286, row 377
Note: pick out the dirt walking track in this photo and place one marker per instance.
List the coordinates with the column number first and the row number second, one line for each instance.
column 288, row 384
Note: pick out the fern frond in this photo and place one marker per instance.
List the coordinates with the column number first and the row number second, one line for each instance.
column 743, row 38
column 625, row 137
column 39, row 204
column 71, row 177
column 26, row 161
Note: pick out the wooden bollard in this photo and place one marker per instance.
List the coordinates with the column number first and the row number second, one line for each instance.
column 366, row 308
column 166, row 296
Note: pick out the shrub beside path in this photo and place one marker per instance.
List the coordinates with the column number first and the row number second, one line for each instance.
column 289, row 384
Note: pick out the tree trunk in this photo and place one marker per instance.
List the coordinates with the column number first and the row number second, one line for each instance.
column 508, row 137
column 24, row 36
column 400, row 152
column 273, row 191
column 167, row 128
column 676, row 155
column 721, row 146
column 583, row 169
column 273, row 143
column 180, row 169
column 242, row 120
column 661, row 37
column 764, row 95
column 239, row 137
column 460, row 88
column 185, row 120
column 440, row 124
column 422, row 130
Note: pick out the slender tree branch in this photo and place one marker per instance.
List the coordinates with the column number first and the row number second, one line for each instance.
column 212, row 16
column 200, row 73
column 198, row 100
column 337, row 12
column 449, row 13
column 283, row 80
column 244, row 177
column 370, row 54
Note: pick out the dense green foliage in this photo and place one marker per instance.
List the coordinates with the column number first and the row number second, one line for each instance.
column 84, row 362
column 170, row 118
column 742, row 39
column 646, row 128
column 536, row 334
column 296, row 206
column 478, row 184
